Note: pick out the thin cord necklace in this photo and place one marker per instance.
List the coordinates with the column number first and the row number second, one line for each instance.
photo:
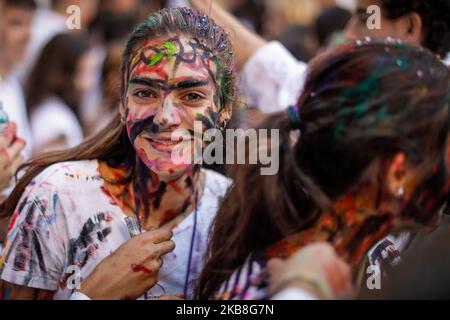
column 191, row 250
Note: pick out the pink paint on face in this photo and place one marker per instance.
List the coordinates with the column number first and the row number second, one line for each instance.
column 166, row 97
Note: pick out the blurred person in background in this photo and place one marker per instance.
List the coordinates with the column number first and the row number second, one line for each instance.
column 330, row 24
column 114, row 29
column 252, row 13
column 282, row 13
column 60, row 77
column 139, row 9
column 420, row 22
column 45, row 25
column 50, row 19
column 301, row 41
column 15, row 23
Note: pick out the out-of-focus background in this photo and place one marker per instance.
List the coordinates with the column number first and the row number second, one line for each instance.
column 60, row 83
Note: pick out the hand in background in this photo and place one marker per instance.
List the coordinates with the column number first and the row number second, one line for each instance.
column 316, row 269
column 10, row 155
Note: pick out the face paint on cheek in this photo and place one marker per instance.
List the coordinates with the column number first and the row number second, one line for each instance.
column 140, row 126
column 209, row 119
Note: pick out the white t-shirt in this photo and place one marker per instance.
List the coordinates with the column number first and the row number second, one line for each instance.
column 272, row 79
column 64, row 219
column 13, row 102
column 53, row 119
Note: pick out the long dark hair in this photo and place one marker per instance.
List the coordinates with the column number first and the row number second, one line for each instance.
column 112, row 143
column 55, row 70
column 360, row 103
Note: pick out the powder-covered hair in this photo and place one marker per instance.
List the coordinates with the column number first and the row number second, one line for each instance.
column 193, row 24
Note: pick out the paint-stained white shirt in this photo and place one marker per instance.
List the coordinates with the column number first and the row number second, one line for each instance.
column 64, row 219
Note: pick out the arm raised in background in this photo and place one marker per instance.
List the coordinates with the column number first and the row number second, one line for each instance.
column 271, row 79
column 244, row 41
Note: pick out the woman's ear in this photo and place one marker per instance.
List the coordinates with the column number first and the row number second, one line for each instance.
column 396, row 177
column 414, row 28
column 225, row 115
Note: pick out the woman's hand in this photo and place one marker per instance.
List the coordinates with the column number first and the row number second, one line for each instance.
column 10, row 155
column 316, row 269
column 132, row 270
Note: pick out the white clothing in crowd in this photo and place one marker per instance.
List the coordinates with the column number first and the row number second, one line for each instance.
column 51, row 120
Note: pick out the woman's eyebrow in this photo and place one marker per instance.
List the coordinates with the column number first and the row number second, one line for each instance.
column 154, row 83
column 161, row 84
column 190, row 83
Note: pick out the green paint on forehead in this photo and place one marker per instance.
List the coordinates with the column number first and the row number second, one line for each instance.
column 155, row 59
column 167, row 50
column 171, row 49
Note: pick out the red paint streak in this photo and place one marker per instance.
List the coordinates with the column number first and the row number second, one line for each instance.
column 63, row 282
column 169, row 215
column 175, row 186
column 158, row 69
column 140, row 268
column 90, row 250
column 13, row 221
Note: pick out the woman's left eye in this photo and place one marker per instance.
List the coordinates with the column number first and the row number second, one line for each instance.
column 193, row 97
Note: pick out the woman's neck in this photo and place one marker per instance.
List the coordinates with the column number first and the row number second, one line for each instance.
column 156, row 202
column 356, row 222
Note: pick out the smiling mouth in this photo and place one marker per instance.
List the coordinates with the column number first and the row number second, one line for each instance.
column 164, row 145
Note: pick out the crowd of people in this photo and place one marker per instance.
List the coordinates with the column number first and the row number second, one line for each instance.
column 89, row 186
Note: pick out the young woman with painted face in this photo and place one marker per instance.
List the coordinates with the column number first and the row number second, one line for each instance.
column 68, row 211
column 372, row 159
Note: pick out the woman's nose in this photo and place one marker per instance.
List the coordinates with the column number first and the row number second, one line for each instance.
column 167, row 115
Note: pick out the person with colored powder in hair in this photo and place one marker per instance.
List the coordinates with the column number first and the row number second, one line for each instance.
column 71, row 209
column 272, row 79
column 372, row 160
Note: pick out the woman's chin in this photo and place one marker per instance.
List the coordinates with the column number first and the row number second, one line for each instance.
column 169, row 172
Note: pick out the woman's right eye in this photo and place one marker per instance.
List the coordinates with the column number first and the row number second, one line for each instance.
column 144, row 94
